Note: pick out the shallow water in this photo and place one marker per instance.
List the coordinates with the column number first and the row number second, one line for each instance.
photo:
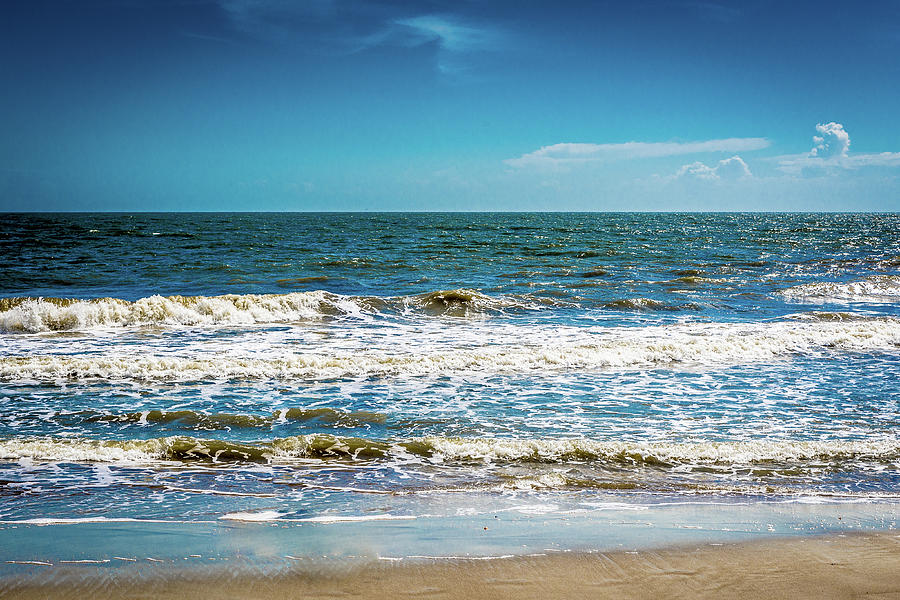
column 297, row 368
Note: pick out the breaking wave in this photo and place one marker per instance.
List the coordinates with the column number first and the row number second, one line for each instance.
column 648, row 304
column 34, row 315
column 877, row 289
column 618, row 348
column 202, row 420
column 464, row 302
column 58, row 314
column 446, row 450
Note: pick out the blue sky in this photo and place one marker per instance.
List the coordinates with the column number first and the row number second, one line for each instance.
column 467, row 105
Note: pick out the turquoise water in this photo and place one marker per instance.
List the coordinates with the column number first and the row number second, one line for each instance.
column 330, row 370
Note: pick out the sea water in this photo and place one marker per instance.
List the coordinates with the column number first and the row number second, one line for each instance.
column 399, row 385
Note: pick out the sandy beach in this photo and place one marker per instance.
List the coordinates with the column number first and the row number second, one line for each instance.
column 842, row 566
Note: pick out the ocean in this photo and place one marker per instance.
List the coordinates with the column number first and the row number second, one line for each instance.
column 269, row 387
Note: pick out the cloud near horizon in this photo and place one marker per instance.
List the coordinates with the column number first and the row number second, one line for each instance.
column 567, row 154
column 728, row 169
column 831, row 153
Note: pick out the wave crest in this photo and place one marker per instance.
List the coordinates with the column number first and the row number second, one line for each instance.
column 648, row 304
column 878, row 289
column 445, row 450
column 35, row 315
column 461, row 302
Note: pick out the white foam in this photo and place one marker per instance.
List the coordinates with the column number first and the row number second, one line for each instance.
column 214, row 492
column 263, row 515
column 81, row 450
column 444, row 449
column 86, row 561
column 874, row 289
column 533, row 509
column 746, row 452
column 353, row 518
column 623, row 347
column 83, row 520
column 616, row 506
column 36, row 314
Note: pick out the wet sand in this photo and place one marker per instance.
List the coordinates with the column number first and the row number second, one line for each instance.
column 844, row 566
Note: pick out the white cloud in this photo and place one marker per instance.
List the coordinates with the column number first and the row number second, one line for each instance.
column 880, row 159
column 697, row 170
column 798, row 164
column 728, row 169
column 832, row 141
column 830, row 153
column 564, row 154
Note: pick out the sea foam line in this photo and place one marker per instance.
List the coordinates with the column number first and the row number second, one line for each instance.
column 618, row 348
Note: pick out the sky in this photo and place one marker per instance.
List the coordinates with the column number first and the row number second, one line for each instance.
column 321, row 105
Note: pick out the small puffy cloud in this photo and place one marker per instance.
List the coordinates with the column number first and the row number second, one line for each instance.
column 733, row 168
column 577, row 153
column 729, row 169
column 697, row 170
column 832, row 141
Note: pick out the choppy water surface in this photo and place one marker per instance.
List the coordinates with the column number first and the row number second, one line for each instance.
column 314, row 368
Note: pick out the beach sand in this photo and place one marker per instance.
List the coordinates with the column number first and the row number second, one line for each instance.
column 837, row 566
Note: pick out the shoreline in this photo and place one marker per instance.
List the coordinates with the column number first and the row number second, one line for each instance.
column 846, row 565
